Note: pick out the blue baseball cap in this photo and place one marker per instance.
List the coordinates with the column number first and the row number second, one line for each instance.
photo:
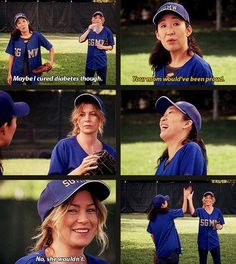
column 58, row 191
column 171, row 7
column 8, row 108
column 89, row 98
column 19, row 15
column 186, row 108
column 159, row 199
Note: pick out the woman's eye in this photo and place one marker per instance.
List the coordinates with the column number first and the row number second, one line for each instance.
column 91, row 210
column 72, row 211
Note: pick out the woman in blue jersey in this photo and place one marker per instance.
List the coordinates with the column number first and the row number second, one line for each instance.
column 210, row 221
column 9, row 111
column 100, row 39
column 176, row 58
column 24, row 49
column 162, row 228
column 75, row 155
column 180, row 125
column 72, row 215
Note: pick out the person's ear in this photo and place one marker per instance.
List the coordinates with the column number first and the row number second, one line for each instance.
column 189, row 30
column 188, row 124
column 3, row 129
column 157, row 35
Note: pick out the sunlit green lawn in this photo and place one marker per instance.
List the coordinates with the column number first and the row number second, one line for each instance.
column 69, row 61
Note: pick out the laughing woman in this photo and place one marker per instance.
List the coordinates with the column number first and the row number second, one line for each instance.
column 180, row 125
column 72, row 215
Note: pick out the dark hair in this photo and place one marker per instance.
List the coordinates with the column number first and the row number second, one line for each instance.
column 160, row 56
column 16, row 32
column 156, row 210
column 192, row 137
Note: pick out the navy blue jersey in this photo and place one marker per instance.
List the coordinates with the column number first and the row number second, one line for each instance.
column 97, row 58
column 207, row 234
column 16, row 48
column 188, row 160
column 164, row 232
column 40, row 257
column 196, row 67
column 67, row 155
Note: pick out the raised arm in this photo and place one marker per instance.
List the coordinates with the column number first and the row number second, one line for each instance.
column 83, row 37
column 190, row 203
column 186, row 192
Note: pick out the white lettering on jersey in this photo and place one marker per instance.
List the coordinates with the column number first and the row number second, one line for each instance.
column 95, row 42
column 17, row 52
column 207, row 222
column 33, row 53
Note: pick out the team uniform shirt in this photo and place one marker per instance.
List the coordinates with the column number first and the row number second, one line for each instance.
column 207, row 235
column 68, row 155
column 196, row 67
column 40, row 257
column 164, row 232
column 97, row 58
column 188, row 160
column 16, row 48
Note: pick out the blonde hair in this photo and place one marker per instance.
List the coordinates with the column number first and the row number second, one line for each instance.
column 75, row 116
column 54, row 222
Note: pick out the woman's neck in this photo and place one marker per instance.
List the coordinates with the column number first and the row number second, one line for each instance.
column 208, row 208
column 89, row 143
column 179, row 58
column 56, row 251
column 173, row 146
column 26, row 34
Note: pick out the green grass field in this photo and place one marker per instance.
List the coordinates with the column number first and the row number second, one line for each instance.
column 69, row 61
column 137, row 246
column 220, row 144
column 137, row 42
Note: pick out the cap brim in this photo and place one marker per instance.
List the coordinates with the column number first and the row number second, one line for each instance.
column 167, row 197
column 209, row 193
column 159, row 15
column 98, row 13
column 163, row 103
column 87, row 98
column 99, row 189
column 21, row 109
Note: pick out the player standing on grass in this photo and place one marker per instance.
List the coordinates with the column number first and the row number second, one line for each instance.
column 210, row 220
column 100, row 39
column 162, row 228
column 25, row 53
column 176, row 54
